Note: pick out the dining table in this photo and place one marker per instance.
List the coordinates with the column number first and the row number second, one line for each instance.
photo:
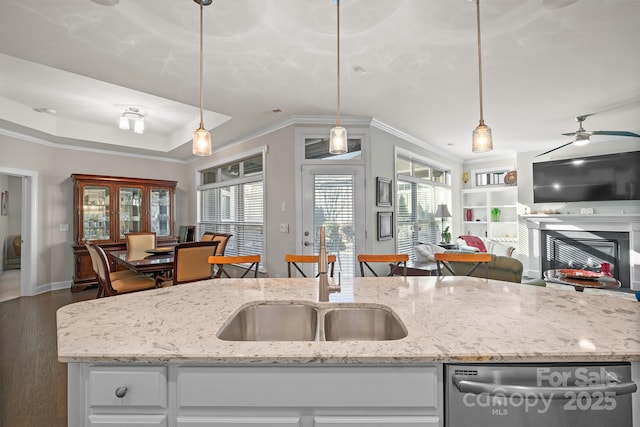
column 155, row 262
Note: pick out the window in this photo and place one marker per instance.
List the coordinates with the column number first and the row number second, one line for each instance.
column 318, row 149
column 231, row 200
column 420, row 189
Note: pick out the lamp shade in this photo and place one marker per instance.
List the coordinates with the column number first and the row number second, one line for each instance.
column 338, row 142
column 442, row 212
column 482, row 140
column 201, row 142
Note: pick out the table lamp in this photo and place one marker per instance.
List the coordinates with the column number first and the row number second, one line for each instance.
column 442, row 212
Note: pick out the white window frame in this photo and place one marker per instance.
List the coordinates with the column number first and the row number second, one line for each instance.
column 239, row 157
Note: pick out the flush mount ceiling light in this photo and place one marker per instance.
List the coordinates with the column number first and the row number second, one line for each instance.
column 201, row 137
column 338, row 142
column 482, row 140
column 132, row 114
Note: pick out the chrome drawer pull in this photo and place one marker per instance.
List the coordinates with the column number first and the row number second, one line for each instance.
column 121, row 392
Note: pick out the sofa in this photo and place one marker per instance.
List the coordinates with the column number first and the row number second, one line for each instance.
column 500, row 267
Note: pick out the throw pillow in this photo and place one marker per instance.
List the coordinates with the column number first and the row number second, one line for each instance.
column 425, row 251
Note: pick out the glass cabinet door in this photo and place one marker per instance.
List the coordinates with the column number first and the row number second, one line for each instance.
column 131, row 210
column 96, row 212
column 160, row 210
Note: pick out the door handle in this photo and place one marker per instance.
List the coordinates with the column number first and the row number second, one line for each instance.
column 307, row 243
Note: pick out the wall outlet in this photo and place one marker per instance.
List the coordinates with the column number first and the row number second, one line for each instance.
column 64, row 227
column 284, row 228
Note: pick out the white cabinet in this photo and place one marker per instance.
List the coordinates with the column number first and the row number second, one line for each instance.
column 480, row 202
column 117, row 395
column 312, row 395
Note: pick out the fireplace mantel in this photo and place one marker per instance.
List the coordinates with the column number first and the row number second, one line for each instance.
column 596, row 222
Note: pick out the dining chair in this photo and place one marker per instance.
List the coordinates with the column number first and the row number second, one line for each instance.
column 190, row 263
column 122, row 285
column 294, row 260
column 113, row 275
column 241, row 261
column 222, row 238
column 395, row 261
column 138, row 242
column 462, row 264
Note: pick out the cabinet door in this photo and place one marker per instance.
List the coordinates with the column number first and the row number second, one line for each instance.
column 386, row 421
column 238, row 421
column 95, row 215
column 131, row 210
column 160, row 211
column 128, row 420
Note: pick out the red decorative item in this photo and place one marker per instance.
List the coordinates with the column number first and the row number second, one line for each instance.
column 469, row 214
column 605, row 268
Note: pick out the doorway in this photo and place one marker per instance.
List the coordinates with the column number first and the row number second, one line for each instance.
column 333, row 197
column 21, row 208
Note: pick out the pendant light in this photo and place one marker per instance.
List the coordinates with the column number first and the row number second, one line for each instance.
column 338, row 142
column 481, row 140
column 201, row 137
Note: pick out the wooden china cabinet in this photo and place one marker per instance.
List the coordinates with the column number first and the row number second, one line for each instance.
column 107, row 207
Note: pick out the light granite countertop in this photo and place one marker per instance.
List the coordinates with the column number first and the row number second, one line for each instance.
column 449, row 319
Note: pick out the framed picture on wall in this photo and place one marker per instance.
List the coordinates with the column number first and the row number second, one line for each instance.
column 383, row 192
column 3, row 203
column 385, row 225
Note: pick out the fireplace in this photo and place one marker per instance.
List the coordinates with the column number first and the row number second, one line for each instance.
column 576, row 241
column 587, row 250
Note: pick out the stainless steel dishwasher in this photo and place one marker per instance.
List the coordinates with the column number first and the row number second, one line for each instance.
column 534, row 395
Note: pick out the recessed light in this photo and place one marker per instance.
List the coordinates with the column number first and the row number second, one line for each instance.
column 107, row 2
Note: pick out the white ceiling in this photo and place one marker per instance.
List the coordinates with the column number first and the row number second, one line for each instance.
column 410, row 64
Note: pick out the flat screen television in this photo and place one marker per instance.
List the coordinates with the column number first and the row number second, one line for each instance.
column 594, row 178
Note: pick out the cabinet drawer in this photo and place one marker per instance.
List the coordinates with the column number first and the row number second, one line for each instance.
column 400, row 421
column 238, row 421
column 409, row 387
column 128, row 420
column 145, row 386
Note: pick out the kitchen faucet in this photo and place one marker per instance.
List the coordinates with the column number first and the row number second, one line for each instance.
column 324, row 288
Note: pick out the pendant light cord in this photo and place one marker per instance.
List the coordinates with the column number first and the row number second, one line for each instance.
column 479, row 60
column 338, row 49
column 201, row 61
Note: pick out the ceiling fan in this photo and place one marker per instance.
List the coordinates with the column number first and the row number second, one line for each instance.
column 582, row 136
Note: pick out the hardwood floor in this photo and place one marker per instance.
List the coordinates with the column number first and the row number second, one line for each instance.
column 33, row 384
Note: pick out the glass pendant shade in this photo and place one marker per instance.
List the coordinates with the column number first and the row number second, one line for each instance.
column 138, row 125
column 124, row 123
column 338, row 142
column 482, row 140
column 201, row 142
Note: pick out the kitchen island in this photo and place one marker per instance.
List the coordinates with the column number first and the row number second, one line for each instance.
column 166, row 338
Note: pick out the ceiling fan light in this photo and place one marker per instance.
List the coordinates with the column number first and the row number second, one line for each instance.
column 138, row 125
column 581, row 140
column 481, row 140
column 124, row 123
column 201, row 142
column 338, row 142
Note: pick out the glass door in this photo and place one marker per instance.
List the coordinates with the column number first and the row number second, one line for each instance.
column 96, row 212
column 160, row 211
column 333, row 197
column 131, row 210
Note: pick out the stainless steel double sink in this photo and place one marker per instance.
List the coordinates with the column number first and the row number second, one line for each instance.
column 309, row 321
